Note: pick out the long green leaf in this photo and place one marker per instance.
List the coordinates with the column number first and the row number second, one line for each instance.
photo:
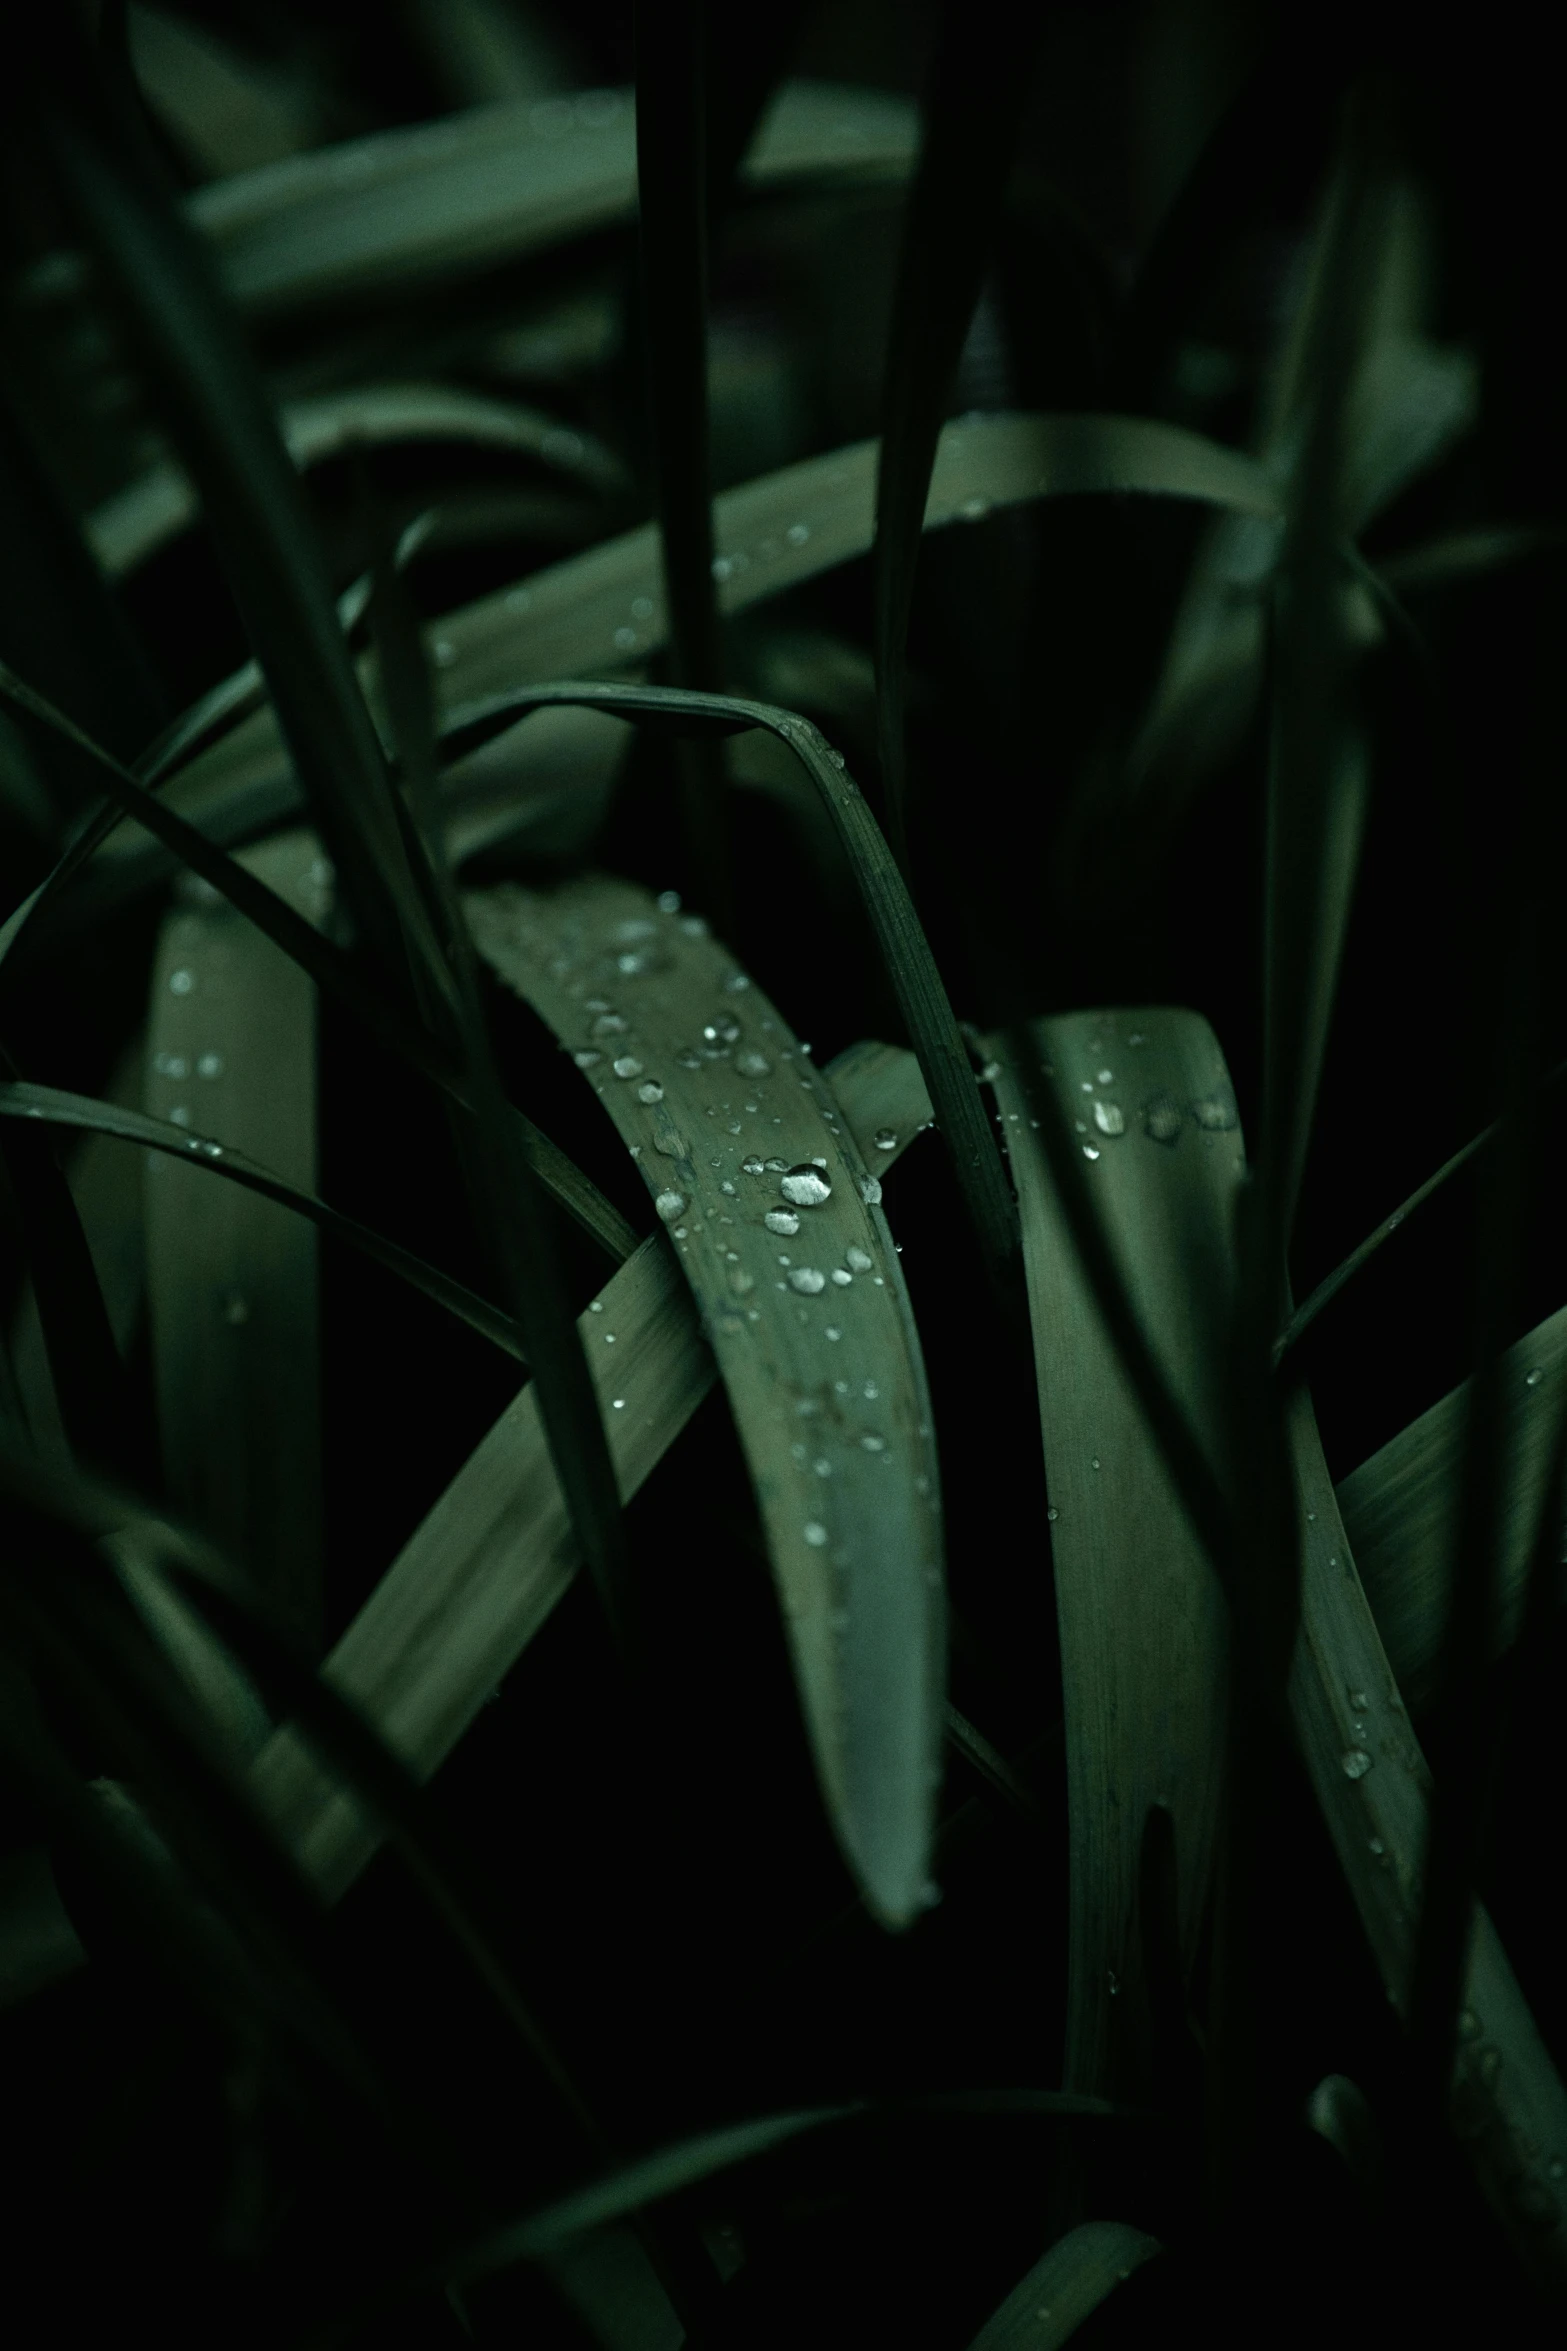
column 1148, row 1101
column 143, row 517
column 406, row 208
column 1398, row 1510
column 486, row 1567
column 602, row 612
column 1504, row 2097
column 53, row 1107
column 1066, row 2286
column 776, row 1223
column 233, row 1277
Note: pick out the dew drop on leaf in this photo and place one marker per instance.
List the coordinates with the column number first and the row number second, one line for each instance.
column 1356, row 1763
column 781, row 1220
column 670, row 1206
column 808, row 1280
column 805, row 1186
column 627, row 1066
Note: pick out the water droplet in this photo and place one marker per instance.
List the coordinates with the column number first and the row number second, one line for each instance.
column 722, row 1031
column 857, row 1260
column 1110, row 1118
column 1107, row 1077
column 815, row 1533
column 671, row 1206
column 172, row 1065
column 727, row 1187
column 832, row 1332
column 1089, row 1152
column 1376, row 1846
column 181, row 982
column 870, row 1191
column 668, row 900
column 823, row 1468
column 722, row 567
column 597, row 1306
column 737, row 983
column 781, row 1220
column 805, row 1186
column 179, row 1116
column 974, row 509
column 841, row 1277
column 776, row 1166
column 990, row 1072
column 751, row 1165
column 586, row 1058
column 693, row 926
column 236, row 1309
column 210, row 1066
column 1468, row 2025
column 1358, row 1701
column 1052, row 1513
column 625, row 639
column 609, row 1338
column 873, row 1444
column 1356, row 1763
column 1216, row 1113
column 652, row 1091
column 610, row 1024
column 1532, row 1379
column 752, row 1064
column 1112, row 1982
column 212, row 1150
column 627, row 1066
column 837, row 758
column 807, row 1280
column 1163, row 1118
column 689, row 1060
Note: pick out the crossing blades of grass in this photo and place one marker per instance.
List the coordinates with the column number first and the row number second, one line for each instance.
column 1411, row 401
column 156, row 508
column 211, row 391
column 106, row 1187
column 483, row 1571
column 905, row 952
column 978, row 84
column 1143, row 1641
column 1506, row 2101
column 404, row 208
column 53, row 1107
column 299, row 940
column 778, row 1228
column 1398, row 1510
column 601, row 612
column 1058, row 2294
column 232, row 1277
column 691, row 2162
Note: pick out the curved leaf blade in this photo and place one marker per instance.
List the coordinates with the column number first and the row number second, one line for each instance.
column 816, row 1337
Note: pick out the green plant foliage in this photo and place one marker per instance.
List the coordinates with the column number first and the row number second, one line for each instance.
column 783, row 1377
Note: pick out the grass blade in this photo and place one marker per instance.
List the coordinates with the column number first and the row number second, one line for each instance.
column 232, row 1276
column 53, row 1107
column 489, row 1563
column 600, row 612
column 1066, row 2286
column 1143, row 1635
column 855, row 1547
column 1502, row 2093
column 386, row 215
column 978, row 85
column 251, row 497
column 151, row 511
column 1398, row 1510
column 325, row 963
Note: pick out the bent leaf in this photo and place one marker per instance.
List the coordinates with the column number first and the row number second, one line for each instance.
column 1398, row 1510
column 1142, row 1620
column 777, row 1224
column 485, row 1568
